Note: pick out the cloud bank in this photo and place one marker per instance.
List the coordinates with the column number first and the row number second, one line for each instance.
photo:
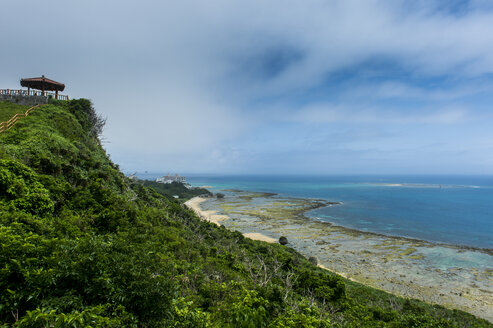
column 281, row 86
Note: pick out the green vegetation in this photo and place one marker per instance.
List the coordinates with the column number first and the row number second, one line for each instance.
column 8, row 109
column 283, row 240
column 83, row 246
column 176, row 189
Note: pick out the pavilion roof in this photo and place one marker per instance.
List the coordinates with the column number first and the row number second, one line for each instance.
column 42, row 83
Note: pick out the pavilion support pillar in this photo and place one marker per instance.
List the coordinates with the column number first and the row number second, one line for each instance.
column 56, row 94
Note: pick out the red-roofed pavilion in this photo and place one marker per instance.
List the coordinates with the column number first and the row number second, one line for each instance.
column 42, row 83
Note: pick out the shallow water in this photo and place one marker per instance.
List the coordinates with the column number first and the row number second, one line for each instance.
column 454, row 210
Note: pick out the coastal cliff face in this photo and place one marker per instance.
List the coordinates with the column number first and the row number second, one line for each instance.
column 81, row 244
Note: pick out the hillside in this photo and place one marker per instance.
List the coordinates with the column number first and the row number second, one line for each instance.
column 8, row 109
column 176, row 189
column 82, row 245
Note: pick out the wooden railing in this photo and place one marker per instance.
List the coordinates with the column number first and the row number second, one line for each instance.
column 25, row 93
column 4, row 126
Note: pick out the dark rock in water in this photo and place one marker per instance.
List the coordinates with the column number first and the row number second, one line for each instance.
column 283, row 240
column 313, row 260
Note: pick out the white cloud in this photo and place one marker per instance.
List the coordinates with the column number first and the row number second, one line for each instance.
column 181, row 78
column 326, row 113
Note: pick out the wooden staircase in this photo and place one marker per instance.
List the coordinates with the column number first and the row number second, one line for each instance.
column 4, row 126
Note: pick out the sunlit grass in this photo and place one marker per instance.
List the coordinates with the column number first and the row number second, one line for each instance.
column 8, row 109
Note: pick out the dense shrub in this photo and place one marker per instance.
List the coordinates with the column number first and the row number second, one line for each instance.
column 176, row 189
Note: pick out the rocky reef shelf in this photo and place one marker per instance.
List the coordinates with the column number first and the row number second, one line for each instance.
column 449, row 275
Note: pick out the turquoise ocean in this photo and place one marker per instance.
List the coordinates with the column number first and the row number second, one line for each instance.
column 456, row 210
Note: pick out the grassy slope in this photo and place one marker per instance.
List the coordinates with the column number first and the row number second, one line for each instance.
column 81, row 244
column 8, row 109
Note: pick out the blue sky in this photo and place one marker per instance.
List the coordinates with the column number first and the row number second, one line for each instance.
column 242, row 87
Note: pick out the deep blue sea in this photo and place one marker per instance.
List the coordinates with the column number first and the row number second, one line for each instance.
column 455, row 210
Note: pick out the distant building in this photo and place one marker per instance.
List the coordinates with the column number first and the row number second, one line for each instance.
column 172, row 178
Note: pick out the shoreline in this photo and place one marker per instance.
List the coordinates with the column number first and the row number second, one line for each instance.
column 459, row 247
column 325, row 203
column 402, row 266
column 211, row 216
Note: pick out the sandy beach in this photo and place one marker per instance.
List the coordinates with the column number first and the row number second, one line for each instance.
column 211, row 216
column 397, row 265
column 259, row 236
